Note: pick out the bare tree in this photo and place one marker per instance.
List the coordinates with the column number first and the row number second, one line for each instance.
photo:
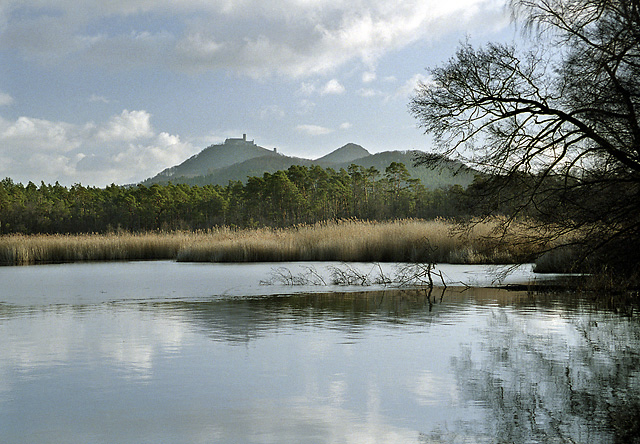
column 556, row 128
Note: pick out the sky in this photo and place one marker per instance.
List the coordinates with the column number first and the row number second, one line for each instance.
column 99, row 92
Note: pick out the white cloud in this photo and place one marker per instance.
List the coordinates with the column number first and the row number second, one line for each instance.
column 402, row 92
column 161, row 151
column 409, row 87
column 97, row 98
column 124, row 149
column 128, row 126
column 5, row 99
column 305, row 107
column 289, row 37
column 368, row 77
column 30, row 134
column 369, row 92
column 313, row 130
column 271, row 112
column 307, row 88
column 333, row 86
column 345, row 125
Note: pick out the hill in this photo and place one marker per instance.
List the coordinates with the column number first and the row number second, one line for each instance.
column 216, row 157
column 345, row 154
column 449, row 173
column 237, row 159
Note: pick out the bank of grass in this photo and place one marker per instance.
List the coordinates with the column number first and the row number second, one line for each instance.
column 439, row 241
column 45, row 249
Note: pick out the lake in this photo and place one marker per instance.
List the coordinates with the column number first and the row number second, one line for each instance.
column 166, row 352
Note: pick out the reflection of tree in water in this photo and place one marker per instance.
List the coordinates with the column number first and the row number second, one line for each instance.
column 240, row 320
column 564, row 379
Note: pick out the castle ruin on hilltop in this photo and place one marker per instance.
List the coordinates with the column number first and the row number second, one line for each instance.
column 231, row 140
column 236, row 139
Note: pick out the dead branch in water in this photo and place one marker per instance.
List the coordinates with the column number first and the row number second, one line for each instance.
column 407, row 275
column 284, row 276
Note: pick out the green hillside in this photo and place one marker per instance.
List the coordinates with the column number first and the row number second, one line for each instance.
column 238, row 159
column 241, row 171
column 214, row 158
column 450, row 173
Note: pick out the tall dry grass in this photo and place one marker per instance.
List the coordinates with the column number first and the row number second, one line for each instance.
column 42, row 249
column 404, row 240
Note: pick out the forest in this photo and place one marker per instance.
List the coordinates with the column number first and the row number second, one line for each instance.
column 299, row 195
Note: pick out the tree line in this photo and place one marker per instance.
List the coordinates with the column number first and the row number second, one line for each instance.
column 298, row 195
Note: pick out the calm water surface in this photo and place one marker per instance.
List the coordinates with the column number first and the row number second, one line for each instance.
column 161, row 352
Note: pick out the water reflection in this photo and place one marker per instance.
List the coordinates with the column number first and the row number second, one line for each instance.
column 563, row 377
column 478, row 365
column 244, row 319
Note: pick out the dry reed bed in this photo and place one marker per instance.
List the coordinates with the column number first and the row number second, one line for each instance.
column 405, row 240
column 42, row 249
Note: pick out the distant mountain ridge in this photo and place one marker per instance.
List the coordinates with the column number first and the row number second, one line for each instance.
column 238, row 158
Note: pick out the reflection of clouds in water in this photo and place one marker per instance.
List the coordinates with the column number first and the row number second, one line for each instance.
column 136, row 358
column 170, row 332
column 431, row 390
column 322, row 411
column 135, row 344
column 373, row 400
column 44, row 341
column 318, row 347
column 270, row 422
column 5, row 383
column 338, row 390
column 53, row 337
